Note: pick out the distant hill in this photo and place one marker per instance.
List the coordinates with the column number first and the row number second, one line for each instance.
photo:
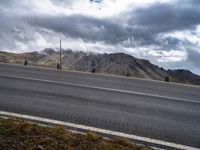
column 116, row 64
column 184, row 76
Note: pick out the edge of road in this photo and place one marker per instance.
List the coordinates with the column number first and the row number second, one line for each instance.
column 97, row 130
column 103, row 74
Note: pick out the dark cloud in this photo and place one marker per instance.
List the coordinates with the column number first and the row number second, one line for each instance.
column 85, row 27
column 96, row 1
column 164, row 18
column 194, row 58
column 7, row 3
column 144, row 24
column 62, row 2
column 192, row 2
column 167, row 17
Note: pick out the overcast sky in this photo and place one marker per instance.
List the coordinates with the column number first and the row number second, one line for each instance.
column 166, row 32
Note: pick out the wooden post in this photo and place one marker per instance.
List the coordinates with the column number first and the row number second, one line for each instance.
column 60, row 56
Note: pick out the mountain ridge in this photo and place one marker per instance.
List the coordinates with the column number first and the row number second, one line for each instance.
column 116, row 63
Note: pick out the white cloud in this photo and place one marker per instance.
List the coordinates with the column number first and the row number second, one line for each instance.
column 191, row 36
column 106, row 8
column 168, row 56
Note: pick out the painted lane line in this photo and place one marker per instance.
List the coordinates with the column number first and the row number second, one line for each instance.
column 99, row 130
column 97, row 88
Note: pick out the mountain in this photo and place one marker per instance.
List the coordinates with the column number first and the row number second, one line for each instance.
column 12, row 58
column 184, row 76
column 116, row 64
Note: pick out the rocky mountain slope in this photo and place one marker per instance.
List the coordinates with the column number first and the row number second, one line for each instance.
column 117, row 64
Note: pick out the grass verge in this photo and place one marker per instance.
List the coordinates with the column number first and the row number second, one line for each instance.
column 17, row 134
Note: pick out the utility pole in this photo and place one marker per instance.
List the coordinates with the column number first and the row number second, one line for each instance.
column 60, row 55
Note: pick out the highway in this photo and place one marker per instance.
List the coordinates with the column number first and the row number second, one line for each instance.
column 158, row 110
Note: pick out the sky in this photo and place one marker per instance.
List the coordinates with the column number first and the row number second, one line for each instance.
column 166, row 32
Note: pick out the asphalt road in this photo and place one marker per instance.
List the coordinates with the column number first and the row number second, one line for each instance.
column 158, row 110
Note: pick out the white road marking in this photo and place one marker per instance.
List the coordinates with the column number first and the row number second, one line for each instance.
column 98, row 130
column 98, row 88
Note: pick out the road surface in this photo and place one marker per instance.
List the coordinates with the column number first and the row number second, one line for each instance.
column 158, row 110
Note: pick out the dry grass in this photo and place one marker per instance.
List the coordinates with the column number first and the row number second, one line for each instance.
column 17, row 135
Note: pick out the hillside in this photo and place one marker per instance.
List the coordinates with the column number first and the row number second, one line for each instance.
column 116, row 64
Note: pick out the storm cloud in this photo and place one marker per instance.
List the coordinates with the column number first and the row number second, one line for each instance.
column 166, row 32
column 85, row 27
